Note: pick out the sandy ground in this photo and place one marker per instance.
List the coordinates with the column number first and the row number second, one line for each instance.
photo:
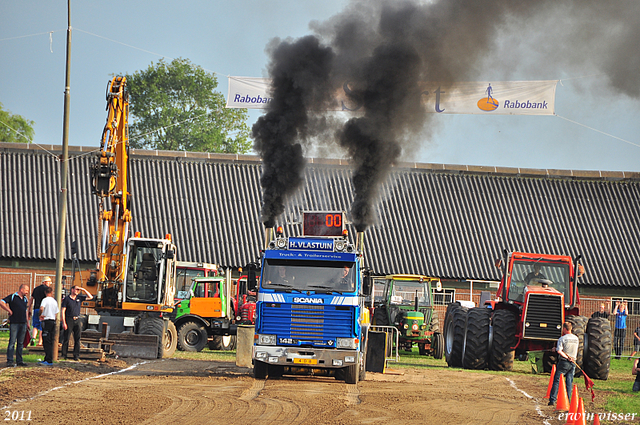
column 177, row 391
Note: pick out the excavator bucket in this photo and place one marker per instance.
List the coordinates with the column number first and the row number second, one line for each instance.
column 123, row 344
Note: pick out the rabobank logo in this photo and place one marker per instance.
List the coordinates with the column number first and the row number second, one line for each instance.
column 488, row 103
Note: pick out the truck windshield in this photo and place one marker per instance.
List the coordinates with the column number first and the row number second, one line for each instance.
column 143, row 273
column 322, row 276
column 532, row 273
column 404, row 292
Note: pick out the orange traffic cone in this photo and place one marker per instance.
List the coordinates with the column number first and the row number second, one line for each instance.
column 581, row 419
column 563, row 399
column 553, row 372
column 596, row 419
column 573, row 410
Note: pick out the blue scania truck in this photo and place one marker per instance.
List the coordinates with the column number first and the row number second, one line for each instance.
column 311, row 315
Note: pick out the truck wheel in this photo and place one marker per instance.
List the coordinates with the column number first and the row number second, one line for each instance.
column 260, row 369
column 224, row 342
column 476, row 351
column 192, row 337
column 502, row 351
column 351, row 374
column 579, row 326
column 437, row 345
column 454, row 325
column 167, row 341
column 597, row 348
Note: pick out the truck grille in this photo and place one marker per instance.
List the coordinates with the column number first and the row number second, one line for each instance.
column 307, row 324
column 543, row 315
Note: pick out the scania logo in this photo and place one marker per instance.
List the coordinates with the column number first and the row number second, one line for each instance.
column 304, row 300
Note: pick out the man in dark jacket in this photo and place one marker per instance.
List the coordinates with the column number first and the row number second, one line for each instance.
column 16, row 305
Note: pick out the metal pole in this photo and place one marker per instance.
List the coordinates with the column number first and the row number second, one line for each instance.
column 62, row 223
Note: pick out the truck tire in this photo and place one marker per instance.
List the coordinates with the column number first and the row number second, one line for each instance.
column 224, row 342
column 504, row 324
column 454, row 334
column 351, row 374
column 437, row 345
column 167, row 341
column 192, row 337
column 579, row 326
column 476, row 351
column 260, row 369
column 597, row 348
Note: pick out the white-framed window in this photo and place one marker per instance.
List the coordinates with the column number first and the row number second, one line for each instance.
column 444, row 297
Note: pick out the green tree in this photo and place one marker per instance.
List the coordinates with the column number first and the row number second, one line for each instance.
column 174, row 106
column 14, row 128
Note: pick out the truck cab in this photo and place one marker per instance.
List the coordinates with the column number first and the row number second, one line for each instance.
column 311, row 314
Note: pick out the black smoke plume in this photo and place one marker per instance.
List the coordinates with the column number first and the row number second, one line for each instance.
column 383, row 50
column 300, row 72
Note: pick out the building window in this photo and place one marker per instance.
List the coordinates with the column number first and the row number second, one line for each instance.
column 444, row 297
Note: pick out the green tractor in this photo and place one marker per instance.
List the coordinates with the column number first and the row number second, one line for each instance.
column 407, row 305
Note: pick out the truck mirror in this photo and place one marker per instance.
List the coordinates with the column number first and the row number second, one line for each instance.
column 252, row 282
column 498, row 263
column 170, row 254
column 580, row 270
column 367, row 285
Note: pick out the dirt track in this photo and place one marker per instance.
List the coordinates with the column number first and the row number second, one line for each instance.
column 176, row 391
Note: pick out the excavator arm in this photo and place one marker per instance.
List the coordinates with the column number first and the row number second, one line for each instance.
column 109, row 176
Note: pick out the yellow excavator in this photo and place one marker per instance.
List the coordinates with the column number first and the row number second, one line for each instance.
column 134, row 283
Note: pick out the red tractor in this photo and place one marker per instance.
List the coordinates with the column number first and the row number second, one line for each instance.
column 537, row 294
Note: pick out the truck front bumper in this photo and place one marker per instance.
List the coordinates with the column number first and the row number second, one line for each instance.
column 305, row 357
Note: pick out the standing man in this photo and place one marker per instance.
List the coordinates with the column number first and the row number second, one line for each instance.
column 601, row 313
column 16, row 305
column 620, row 331
column 48, row 311
column 636, row 371
column 70, row 317
column 567, row 349
column 34, row 308
column 636, row 341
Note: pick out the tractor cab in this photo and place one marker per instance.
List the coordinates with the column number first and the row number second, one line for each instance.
column 206, row 298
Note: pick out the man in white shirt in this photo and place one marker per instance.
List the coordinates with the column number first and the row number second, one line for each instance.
column 48, row 311
column 567, row 349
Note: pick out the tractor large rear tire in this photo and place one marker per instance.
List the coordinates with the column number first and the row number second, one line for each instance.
column 167, row 341
column 579, row 327
column 504, row 324
column 192, row 337
column 380, row 317
column 597, row 348
column 454, row 325
column 476, row 352
column 435, row 322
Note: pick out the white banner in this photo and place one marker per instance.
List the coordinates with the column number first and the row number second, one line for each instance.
column 498, row 97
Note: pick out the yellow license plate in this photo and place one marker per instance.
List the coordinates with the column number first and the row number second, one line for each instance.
column 305, row 361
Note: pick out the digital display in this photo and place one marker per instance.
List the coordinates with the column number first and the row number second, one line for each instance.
column 323, row 223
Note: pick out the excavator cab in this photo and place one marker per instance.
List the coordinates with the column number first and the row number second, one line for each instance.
column 149, row 271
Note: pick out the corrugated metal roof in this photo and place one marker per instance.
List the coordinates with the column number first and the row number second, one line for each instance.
column 446, row 221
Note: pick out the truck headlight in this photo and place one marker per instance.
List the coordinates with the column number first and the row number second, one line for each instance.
column 266, row 339
column 350, row 343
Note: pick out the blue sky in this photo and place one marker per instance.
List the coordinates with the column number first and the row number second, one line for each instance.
column 229, row 38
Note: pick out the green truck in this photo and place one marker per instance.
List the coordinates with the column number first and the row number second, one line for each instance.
column 406, row 303
column 206, row 316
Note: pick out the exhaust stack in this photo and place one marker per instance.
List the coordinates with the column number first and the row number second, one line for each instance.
column 268, row 237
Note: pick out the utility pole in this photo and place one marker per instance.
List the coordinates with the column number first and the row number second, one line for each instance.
column 62, row 223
